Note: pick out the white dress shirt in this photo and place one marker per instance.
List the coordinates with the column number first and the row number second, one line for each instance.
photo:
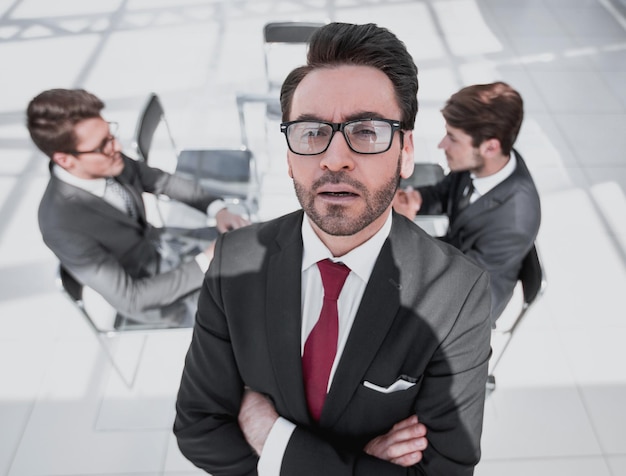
column 483, row 184
column 361, row 261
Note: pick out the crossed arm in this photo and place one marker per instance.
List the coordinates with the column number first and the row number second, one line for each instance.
column 402, row 445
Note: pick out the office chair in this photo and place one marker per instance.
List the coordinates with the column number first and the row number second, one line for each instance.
column 290, row 38
column 533, row 282
column 424, row 173
column 284, row 47
column 112, row 325
column 230, row 173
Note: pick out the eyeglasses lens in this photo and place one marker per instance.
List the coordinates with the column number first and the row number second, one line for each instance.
column 364, row 137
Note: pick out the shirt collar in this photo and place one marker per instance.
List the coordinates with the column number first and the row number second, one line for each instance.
column 361, row 259
column 483, row 184
column 94, row 186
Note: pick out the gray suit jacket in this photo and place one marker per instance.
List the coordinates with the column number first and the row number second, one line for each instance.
column 496, row 231
column 109, row 251
column 424, row 317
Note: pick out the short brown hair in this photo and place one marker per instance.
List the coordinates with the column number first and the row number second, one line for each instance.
column 52, row 115
column 361, row 45
column 487, row 111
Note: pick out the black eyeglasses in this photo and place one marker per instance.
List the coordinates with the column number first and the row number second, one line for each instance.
column 363, row 136
column 104, row 145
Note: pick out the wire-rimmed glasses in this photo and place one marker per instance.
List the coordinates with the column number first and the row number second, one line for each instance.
column 104, row 145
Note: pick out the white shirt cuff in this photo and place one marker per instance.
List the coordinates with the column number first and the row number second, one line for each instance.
column 214, row 207
column 274, row 449
column 203, row 261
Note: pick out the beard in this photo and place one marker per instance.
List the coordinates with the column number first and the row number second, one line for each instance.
column 339, row 220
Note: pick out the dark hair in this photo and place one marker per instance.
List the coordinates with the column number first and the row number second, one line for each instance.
column 361, row 45
column 487, row 111
column 52, row 115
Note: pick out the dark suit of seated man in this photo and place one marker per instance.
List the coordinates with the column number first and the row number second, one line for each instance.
column 92, row 215
column 288, row 375
column 489, row 195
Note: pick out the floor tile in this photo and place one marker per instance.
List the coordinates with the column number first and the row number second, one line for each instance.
column 561, row 92
column 595, row 139
column 551, row 53
column 617, row 464
column 149, row 402
column 576, row 466
column 590, row 21
column 22, row 369
column 176, row 463
column 596, row 354
column 533, row 359
column 68, row 402
column 516, row 425
column 527, row 19
column 578, row 299
column 601, row 402
column 14, row 417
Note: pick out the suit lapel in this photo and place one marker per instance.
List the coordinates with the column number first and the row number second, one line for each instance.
column 97, row 204
column 378, row 308
column 492, row 199
column 284, row 320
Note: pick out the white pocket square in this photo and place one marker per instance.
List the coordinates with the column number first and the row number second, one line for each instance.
column 397, row 386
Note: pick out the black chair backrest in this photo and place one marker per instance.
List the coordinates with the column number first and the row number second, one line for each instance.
column 289, row 32
column 71, row 286
column 147, row 124
column 425, row 173
column 225, row 165
column 531, row 275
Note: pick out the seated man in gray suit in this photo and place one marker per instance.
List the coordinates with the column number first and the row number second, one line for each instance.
column 489, row 195
column 329, row 340
column 92, row 214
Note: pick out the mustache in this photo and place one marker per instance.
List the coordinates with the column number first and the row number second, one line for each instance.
column 338, row 178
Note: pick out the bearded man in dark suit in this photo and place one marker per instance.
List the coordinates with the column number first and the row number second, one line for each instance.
column 397, row 382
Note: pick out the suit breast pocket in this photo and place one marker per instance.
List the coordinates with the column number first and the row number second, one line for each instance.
column 376, row 408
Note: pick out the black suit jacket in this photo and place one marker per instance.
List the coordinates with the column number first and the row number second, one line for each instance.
column 496, row 231
column 113, row 253
column 424, row 316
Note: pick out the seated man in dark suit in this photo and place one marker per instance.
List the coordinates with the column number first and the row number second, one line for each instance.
column 92, row 215
column 489, row 195
column 329, row 340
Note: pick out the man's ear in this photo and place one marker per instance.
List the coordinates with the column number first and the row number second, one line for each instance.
column 490, row 148
column 407, row 155
column 62, row 159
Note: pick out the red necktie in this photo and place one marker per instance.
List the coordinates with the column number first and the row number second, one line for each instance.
column 320, row 347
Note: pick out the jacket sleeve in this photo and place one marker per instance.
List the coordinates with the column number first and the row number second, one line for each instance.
column 158, row 182
column 435, row 197
column 98, row 269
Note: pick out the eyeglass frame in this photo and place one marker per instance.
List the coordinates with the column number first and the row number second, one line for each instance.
column 340, row 126
column 105, row 142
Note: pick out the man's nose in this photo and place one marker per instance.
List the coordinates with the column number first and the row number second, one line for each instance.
column 338, row 155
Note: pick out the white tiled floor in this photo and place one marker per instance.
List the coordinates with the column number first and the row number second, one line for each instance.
column 559, row 405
